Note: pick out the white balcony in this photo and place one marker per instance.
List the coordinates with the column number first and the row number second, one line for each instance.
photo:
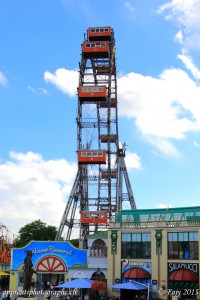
column 93, row 262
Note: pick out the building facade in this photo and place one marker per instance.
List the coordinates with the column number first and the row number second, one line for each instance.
column 57, row 262
column 158, row 247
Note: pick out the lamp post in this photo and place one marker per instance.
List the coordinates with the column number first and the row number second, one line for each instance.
column 98, row 275
column 158, row 237
column 148, row 291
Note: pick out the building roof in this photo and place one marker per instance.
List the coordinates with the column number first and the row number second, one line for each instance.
column 164, row 214
column 99, row 235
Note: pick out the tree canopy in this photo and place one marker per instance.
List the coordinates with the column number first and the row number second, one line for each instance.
column 35, row 231
column 75, row 242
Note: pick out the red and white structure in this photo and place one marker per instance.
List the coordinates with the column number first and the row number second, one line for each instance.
column 102, row 185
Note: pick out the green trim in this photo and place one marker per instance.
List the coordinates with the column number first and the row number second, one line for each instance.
column 114, row 238
column 164, row 214
column 99, row 234
column 159, row 237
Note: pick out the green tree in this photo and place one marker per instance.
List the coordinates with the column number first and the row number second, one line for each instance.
column 75, row 242
column 35, row 231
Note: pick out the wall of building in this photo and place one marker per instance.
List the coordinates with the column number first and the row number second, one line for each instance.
column 159, row 261
column 55, row 262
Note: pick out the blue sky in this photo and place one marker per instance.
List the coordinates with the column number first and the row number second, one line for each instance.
column 158, row 71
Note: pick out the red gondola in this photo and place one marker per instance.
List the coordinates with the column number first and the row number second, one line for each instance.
column 104, row 174
column 92, row 156
column 94, row 217
column 104, row 70
column 105, row 138
column 113, row 103
column 99, row 34
column 92, row 93
column 108, row 207
column 95, row 49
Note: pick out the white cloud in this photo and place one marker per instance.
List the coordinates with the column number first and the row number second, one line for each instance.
column 164, row 108
column 186, row 14
column 3, row 79
column 65, row 80
column 165, row 147
column 38, row 91
column 132, row 160
column 129, row 6
column 32, row 188
column 42, row 91
column 196, row 144
column 164, row 205
column 179, row 37
column 190, row 65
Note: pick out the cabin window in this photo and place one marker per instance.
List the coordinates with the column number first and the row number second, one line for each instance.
column 93, row 45
column 89, row 153
column 84, row 89
column 94, row 30
column 91, row 89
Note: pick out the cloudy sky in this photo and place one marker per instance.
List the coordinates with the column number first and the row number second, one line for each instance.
column 158, row 72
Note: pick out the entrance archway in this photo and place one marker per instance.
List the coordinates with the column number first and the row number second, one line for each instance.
column 50, row 270
column 50, row 264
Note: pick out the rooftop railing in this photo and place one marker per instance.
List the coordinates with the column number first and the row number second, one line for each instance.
column 155, row 224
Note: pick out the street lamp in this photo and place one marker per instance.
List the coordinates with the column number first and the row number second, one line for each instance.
column 98, row 273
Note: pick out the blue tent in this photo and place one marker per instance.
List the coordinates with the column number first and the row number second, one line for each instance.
column 80, row 283
column 130, row 285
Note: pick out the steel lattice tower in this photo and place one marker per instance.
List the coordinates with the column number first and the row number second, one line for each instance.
column 98, row 189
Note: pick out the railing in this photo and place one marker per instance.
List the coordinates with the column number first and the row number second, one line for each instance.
column 155, row 224
column 97, row 261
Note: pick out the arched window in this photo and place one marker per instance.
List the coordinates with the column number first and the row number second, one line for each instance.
column 98, row 248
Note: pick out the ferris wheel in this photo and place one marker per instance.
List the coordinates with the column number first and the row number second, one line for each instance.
column 99, row 190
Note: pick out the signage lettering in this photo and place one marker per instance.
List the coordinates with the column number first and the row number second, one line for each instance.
column 51, row 249
column 180, row 266
column 131, row 263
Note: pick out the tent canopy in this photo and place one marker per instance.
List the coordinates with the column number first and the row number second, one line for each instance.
column 80, row 283
column 130, row 285
column 4, row 273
